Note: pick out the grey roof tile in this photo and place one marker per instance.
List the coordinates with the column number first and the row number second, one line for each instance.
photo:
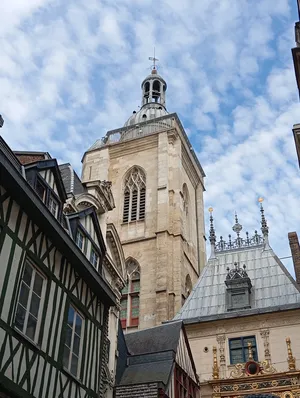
column 272, row 285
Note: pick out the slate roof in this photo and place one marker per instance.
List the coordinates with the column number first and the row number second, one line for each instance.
column 273, row 289
column 155, row 339
column 150, row 354
column 71, row 181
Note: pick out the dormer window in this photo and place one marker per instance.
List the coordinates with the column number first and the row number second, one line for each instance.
column 238, row 288
column 40, row 190
column 79, row 240
column 94, row 258
column 53, row 206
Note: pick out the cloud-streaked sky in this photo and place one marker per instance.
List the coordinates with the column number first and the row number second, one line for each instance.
column 71, row 70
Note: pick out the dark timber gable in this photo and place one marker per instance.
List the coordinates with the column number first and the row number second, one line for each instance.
column 31, row 238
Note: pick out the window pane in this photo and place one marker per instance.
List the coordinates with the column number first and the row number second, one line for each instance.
column 24, row 295
column 31, row 327
column 123, row 308
column 78, row 325
column 79, row 239
column 35, row 305
column 27, row 274
column 235, row 343
column 66, row 357
column 38, row 284
column 125, row 289
column 40, row 190
column 237, row 356
column 135, row 286
column 74, row 365
column 76, row 344
column 20, row 317
column 68, row 336
column 71, row 317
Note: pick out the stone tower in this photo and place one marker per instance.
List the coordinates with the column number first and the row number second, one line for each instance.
column 157, row 183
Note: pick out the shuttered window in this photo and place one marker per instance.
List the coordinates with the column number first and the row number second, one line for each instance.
column 134, row 206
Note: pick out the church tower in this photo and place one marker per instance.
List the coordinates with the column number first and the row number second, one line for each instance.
column 157, row 184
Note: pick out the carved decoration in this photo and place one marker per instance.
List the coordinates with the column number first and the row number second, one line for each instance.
column 291, row 360
column 265, row 333
column 221, row 341
column 172, row 136
column 215, row 364
column 240, row 369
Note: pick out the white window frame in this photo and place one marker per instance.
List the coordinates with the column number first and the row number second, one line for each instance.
column 68, row 367
column 29, row 300
column 94, row 252
column 83, row 239
column 52, row 200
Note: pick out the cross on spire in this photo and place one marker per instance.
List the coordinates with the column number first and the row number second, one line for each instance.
column 154, row 60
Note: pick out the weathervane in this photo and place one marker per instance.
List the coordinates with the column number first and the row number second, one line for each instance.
column 154, row 60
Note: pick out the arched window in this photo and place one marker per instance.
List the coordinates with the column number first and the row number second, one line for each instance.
column 156, row 91
column 134, row 195
column 186, row 212
column 130, row 301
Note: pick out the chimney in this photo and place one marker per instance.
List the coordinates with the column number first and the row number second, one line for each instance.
column 295, row 250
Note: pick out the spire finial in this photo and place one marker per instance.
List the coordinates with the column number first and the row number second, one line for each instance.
column 212, row 235
column 154, row 70
column 291, row 360
column 237, row 229
column 264, row 225
column 215, row 364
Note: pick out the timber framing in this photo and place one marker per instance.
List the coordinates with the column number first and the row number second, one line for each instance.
column 13, row 180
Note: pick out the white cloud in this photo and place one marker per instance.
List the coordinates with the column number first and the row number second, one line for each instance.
column 70, row 71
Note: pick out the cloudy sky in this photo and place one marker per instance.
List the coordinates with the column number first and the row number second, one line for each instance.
column 71, row 70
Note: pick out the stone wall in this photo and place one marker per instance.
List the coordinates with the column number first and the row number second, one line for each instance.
column 270, row 331
column 138, row 390
column 159, row 243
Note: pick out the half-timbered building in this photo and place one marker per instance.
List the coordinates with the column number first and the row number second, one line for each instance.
column 54, row 300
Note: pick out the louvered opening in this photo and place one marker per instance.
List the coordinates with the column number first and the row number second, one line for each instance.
column 142, row 204
column 126, row 206
column 134, row 205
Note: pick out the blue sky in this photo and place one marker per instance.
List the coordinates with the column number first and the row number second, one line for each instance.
column 71, row 70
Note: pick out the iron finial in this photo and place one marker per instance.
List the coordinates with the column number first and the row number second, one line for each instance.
column 237, row 226
column 154, row 62
column 264, row 225
column 212, row 234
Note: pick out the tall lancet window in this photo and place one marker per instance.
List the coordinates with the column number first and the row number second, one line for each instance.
column 134, row 195
column 186, row 212
column 130, row 301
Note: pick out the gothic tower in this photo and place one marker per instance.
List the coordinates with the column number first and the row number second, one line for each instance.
column 157, row 183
